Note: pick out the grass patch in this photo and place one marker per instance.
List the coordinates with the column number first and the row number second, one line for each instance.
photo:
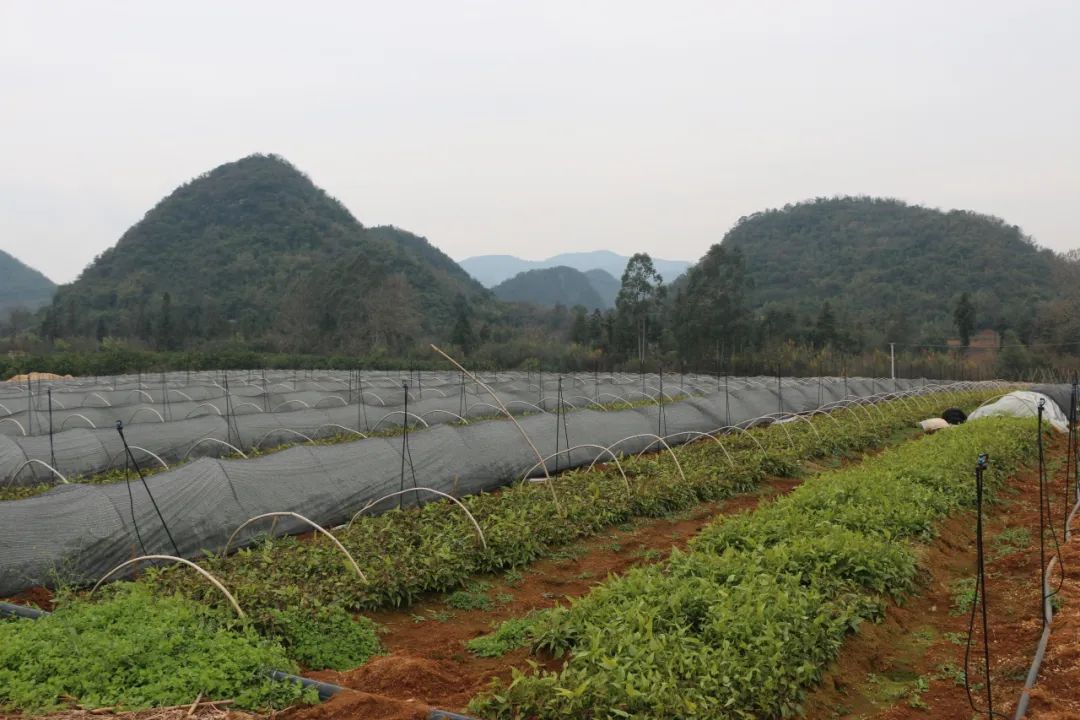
column 1011, row 540
column 135, row 650
column 325, row 637
column 510, row 635
column 963, row 595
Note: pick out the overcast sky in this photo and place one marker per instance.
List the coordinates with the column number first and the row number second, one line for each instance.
column 541, row 127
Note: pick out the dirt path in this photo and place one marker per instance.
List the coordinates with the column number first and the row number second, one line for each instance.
column 429, row 666
column 911, row 664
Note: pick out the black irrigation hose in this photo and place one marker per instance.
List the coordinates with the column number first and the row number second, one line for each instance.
column 1046, row 517
column 325, row 690
column 12, row 610
column 980, row 594
column 1047, row 607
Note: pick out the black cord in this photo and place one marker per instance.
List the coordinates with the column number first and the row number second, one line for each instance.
column 362, row 404
column 980, row 595
column 566, row 431
column 135, row 463
column 1072, row 427
column 661, row 418
column 558, row 413
column 406, row 451
column 52, row 452
column 131, row 501
column 1046, row 520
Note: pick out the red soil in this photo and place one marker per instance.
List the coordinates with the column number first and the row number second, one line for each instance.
column 429, row 666
column 879, row 670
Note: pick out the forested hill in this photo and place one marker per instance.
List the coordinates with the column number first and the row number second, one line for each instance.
column 549, row 287
column 885, row 263
column 22, row 286
column 254, row 250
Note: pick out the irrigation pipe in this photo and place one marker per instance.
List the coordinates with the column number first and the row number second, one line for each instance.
column 325, row 690
column 1048, row 615
column 12, row 610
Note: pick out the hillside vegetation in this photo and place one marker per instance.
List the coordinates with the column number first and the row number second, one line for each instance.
column 552, row 286
column 605, row 284
column 252, row 260
column 254, row 250
column 21, row 286
column 884, row 263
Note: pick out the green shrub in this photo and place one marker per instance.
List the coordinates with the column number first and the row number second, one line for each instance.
column 135, row 650
column 325, row 637
column 742, row 623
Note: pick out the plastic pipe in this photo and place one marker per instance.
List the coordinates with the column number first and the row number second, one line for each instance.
column 325, row 690
column 1044, row 639
column 13, row 610
column 447, row 715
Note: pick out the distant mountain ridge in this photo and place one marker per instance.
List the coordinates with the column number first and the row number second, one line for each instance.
column 605, row 284
column 548, row 287
column 22, row 286
column 491, row 270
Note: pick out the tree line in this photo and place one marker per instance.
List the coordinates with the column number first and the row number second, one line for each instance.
column 701, row 322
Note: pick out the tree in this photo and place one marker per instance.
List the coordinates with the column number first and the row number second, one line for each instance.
column 709, row 311
column 825, row 327
column 390, row 315
column 640, row 295
column 964, row 315
column 1014, row 360
column 165, row 334
column 20, row 319
column 462, row 334
column 596, row 327
column 579, row 332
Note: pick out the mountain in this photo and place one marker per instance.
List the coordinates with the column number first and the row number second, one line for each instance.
column 22, row 286
column 888, row 264
column 493, row 269
column 606, row 286
column 549, row 287
column 253, row 250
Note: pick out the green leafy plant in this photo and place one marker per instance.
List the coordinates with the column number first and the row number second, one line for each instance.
column 823, row 561
column 469, row 600
column 510, row 635
column 136, row 650
column 324, row 637
column 1011, row 540
column 963, row 595
column 741, row 623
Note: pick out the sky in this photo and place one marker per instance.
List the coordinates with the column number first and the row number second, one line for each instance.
column 534, row 128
